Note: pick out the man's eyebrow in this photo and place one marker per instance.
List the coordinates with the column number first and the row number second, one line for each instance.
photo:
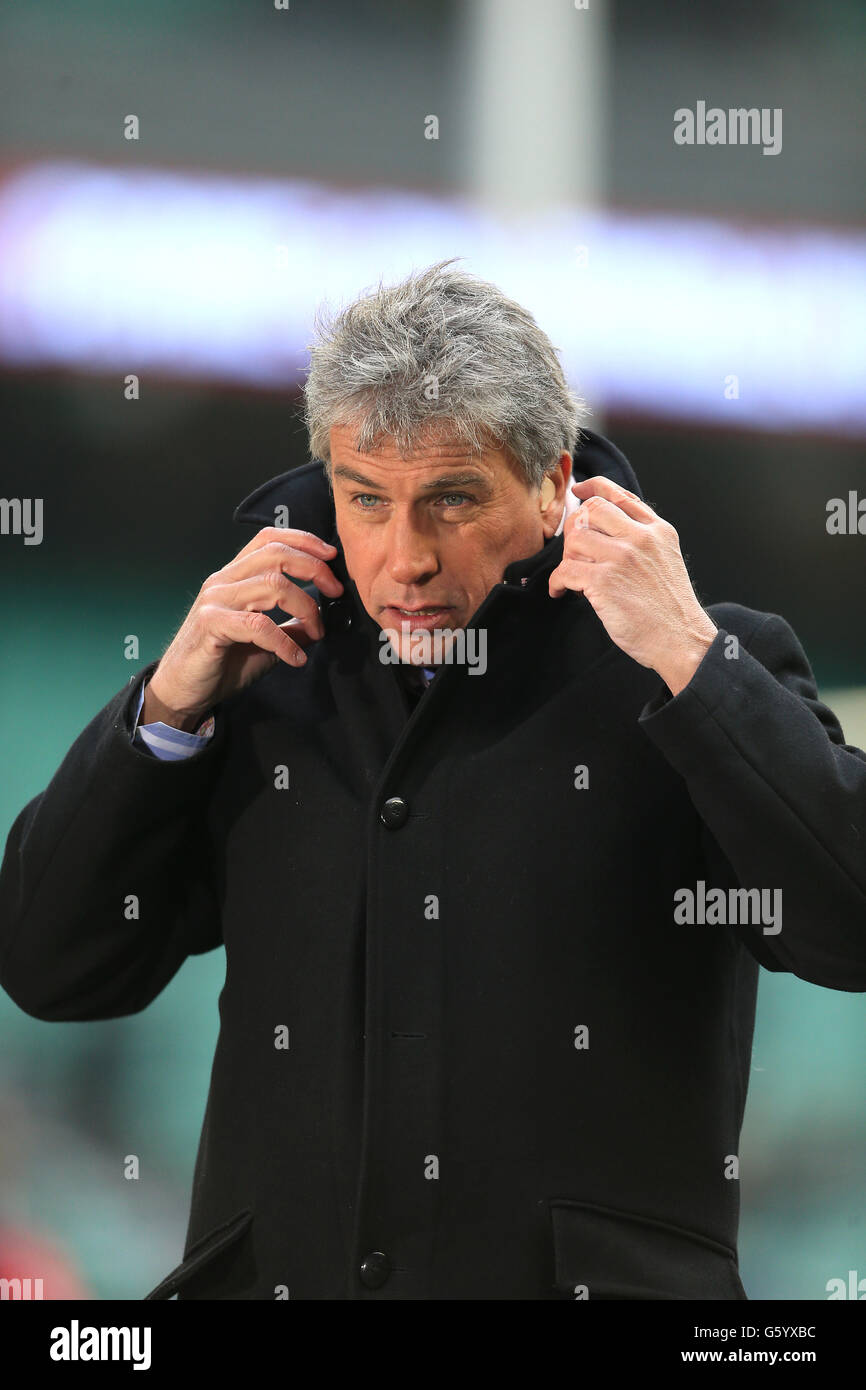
column 449, row 481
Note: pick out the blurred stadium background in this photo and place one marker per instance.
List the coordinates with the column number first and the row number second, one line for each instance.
column 290, row 155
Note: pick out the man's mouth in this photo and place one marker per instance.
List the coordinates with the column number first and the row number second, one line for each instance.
column 416, row 617
column 429, row 608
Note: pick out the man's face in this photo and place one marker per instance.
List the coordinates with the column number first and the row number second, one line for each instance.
column 434, row 531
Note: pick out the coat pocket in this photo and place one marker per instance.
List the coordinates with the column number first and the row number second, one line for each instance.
column 600, row 1252
column 204, row 1255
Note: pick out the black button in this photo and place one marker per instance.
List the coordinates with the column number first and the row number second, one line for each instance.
column 339, row 618
column 394, row 813
column 375, row 1269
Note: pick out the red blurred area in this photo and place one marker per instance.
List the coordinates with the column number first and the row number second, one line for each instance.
column 25, row 1255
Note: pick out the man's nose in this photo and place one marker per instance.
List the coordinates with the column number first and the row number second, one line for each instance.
column 412, row 556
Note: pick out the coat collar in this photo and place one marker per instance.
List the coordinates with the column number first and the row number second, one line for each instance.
column 307, row 496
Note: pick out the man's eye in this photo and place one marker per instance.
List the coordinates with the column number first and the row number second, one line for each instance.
column 361, row 498
column 463, row 495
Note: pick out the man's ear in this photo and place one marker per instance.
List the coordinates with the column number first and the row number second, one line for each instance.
column 551, row 497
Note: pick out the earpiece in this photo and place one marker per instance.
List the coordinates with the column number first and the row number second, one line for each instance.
column 548, row 492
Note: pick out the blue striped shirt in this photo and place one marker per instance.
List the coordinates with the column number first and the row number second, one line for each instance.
column 167, row 743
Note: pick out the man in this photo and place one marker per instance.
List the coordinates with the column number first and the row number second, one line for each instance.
column 493, row 914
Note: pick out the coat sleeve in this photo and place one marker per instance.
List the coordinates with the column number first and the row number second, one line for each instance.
column 778, row 789
column 107, row 883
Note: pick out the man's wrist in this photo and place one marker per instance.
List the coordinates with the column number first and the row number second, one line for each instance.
column 682, row 659
column 154, row 710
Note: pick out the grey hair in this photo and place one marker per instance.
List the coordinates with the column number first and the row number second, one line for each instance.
column 441, row 347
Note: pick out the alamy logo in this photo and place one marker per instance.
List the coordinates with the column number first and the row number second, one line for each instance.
column 21, row 1288
column 75, row 1343
column 846, row 519
column 744, row 906
column 855, row 1287
column 738, row 126
column 458, row 646
column 22, row 516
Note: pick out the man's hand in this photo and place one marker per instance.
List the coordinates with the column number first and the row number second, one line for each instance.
column 626, row 560
column 226, row 640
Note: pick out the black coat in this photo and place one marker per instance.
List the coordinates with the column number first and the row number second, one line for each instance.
column 510, row 1072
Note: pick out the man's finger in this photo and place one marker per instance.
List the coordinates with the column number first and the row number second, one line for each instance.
column 604, row 516
column 566, row 578
column 291, row 536
column 590, row 543
column 600, row 486
column 295, row 629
